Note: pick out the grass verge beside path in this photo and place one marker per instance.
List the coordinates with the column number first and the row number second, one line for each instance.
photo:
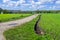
column 51, row 24
column 23, row 32
column 10, row 17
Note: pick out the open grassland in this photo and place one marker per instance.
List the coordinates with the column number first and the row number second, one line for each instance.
column 51, row 24
column 10, row 17
column 23, row 32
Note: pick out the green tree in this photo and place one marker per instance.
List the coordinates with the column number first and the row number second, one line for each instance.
column 1, row 10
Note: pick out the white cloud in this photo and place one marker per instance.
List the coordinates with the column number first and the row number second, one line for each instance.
column 45, row 0
column 53, row 7
column 32, row 3
column 58, row 2
column 38, row 3
column 4, row 1
column 13, row 3
column 26, row 4
column 20, row 2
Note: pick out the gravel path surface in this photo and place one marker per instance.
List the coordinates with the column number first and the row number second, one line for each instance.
column 7, row 25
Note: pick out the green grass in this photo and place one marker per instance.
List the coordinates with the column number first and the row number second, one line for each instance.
column 51, row 24
column 10, row 17
column 23, row 32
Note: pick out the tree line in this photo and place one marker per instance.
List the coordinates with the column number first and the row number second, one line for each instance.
column 19, row 11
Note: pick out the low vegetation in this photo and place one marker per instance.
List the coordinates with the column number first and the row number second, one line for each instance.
column 10, row 17
column 23, row 32
column 51, row 24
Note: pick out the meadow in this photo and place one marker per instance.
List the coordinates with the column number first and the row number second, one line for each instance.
column 10, row 17
column 23, row 32
column 51, row 25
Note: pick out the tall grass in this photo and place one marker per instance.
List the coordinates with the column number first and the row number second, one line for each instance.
column 51, row 24
column 10, row 17
column 23, row 32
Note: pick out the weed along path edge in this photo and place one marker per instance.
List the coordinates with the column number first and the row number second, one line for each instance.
column 7, row 25
column 38, row 30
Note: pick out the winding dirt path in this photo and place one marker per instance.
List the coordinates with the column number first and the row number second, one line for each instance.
column 7, row 25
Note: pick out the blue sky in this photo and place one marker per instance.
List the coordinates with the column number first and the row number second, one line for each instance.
column 30, row 4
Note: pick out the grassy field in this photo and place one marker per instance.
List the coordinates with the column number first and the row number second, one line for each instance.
column 9, row 17
column 51, row 24
column 23, row 32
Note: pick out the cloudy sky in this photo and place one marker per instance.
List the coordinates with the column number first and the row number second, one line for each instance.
column 30, row 4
